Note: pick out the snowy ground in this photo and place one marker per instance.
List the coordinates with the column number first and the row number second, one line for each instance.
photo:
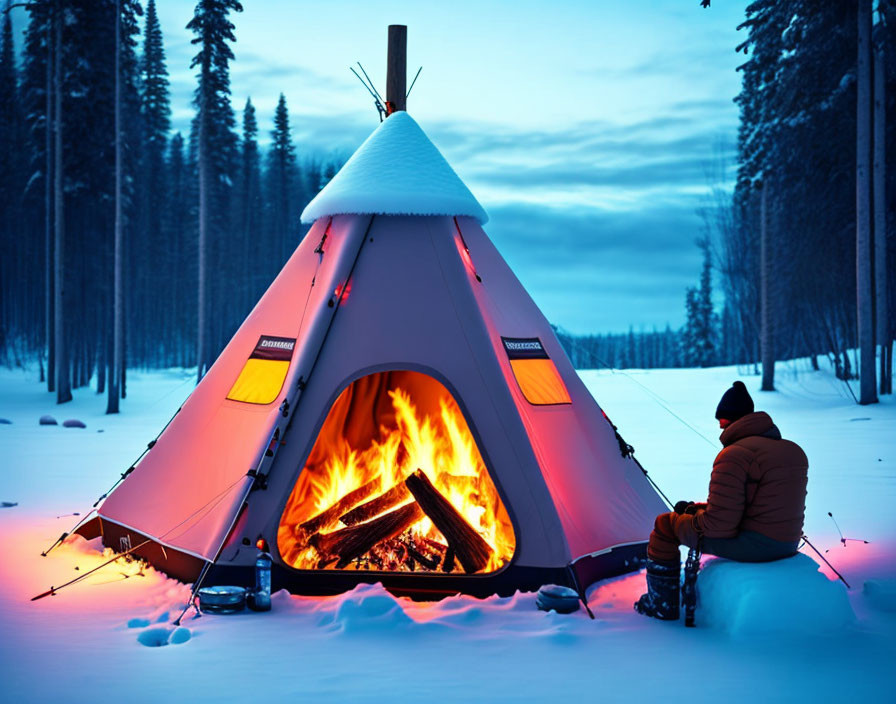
column 88, row 643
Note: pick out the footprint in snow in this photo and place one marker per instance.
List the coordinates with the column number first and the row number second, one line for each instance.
column 159, row 636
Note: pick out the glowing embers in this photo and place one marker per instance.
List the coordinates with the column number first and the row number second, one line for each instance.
column 396, row 483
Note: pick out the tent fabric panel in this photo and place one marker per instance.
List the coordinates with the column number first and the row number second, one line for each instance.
column 411, row 308
column 602, row 498
column 190, row 485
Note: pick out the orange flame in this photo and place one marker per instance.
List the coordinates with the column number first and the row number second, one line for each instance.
column 380, row 429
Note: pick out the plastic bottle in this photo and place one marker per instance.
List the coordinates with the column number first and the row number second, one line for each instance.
column 260, row 599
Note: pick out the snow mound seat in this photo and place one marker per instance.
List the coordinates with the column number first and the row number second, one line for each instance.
column 786, row 596
column 881, row 594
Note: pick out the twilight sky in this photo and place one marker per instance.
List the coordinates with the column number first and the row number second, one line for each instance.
column 591, row 131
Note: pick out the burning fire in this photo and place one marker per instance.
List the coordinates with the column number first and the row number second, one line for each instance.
column 355, row 486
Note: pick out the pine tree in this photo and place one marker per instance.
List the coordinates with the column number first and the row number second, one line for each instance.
column 699, row 336
column 37, row 194
column 149, row 248
column 10, row 175
column 250, row 204
column 180, row 224
column 154, row 98
column 706, row 338
column 797, row 107
column 281, row 182
column 688, row 353
column 216, row 145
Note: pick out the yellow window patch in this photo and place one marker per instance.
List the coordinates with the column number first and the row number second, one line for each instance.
column 536, row 374
column 262, row 377
column 260, row 381
column 540, row 381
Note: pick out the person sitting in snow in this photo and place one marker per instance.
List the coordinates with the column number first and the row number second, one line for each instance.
column 754, row 512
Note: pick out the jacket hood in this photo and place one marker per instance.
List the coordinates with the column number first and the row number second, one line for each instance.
column 759, row 423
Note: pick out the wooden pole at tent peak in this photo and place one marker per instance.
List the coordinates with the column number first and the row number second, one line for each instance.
column 397, row 69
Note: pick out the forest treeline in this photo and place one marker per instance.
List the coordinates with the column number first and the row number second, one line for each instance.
column 126, row 245
column 161, row 210
column 803, row 251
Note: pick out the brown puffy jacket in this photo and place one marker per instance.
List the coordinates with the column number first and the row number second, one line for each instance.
column 758, row 483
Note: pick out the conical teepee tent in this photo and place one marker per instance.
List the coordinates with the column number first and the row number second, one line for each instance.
column 394, row 409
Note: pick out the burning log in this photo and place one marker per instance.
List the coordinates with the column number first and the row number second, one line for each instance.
column 330, row 515
column 375, row 507
column 429, row 563
column 436, row 545
column 349, row 543
column 448, row 563
column 469, row 547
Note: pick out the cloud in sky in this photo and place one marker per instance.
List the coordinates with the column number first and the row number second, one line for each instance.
column 598, row 270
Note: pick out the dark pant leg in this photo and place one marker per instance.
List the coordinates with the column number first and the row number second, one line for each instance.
column 748, row 546
column 663, row 543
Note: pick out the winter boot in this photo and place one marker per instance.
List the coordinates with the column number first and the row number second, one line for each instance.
column 663, row 595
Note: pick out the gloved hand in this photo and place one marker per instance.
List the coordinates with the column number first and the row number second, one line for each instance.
column 681, row 507
column 688, row 507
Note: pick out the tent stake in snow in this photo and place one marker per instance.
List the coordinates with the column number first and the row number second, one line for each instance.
column 826, row 562
column 192, row 600
column 52, row 590
column 582, row 598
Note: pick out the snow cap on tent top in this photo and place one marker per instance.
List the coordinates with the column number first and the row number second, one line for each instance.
column 397, row 171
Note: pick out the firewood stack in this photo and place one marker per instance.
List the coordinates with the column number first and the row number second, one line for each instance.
column 377, row 535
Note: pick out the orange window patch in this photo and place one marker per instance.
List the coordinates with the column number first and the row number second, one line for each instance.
column 263, row 374
column 534, row 371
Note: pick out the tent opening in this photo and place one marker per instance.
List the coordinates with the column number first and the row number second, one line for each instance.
column 396, row 483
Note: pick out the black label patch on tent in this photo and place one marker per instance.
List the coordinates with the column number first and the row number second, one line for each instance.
column 262, row 377
column 535, row 373
column 524, row 348
column 278, row 348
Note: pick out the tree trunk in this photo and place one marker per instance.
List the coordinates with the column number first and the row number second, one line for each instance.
column 202, row 323
column 864, row 280
column 879, row 180
column 766, row 343
column 63, row 368
column 102, row 365
column 49, row 257
column 112, row 403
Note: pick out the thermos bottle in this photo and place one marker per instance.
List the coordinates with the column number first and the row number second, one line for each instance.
column 260, row 599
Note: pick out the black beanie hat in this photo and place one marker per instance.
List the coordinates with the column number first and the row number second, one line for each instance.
column 735, row 403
